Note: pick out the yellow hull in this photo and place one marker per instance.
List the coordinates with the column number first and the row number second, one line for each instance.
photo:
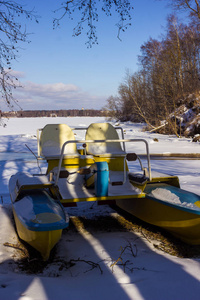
column 42, row 241
column 182, row 224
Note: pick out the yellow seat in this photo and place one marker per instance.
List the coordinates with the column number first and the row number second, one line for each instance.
column 103, row 131
column 111, row 152
column 52, row 138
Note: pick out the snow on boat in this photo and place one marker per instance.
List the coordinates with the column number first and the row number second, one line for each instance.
column 39, row 218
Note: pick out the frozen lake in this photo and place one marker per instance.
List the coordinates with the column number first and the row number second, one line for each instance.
column 10, row 155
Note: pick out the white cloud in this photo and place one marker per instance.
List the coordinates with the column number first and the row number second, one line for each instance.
column 14, row 73
column 51, row 90
column 56, row 96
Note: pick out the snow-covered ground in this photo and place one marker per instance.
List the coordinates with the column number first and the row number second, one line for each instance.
column 149, row 273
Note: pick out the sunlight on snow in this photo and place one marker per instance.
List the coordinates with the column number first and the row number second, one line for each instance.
column 123, row 279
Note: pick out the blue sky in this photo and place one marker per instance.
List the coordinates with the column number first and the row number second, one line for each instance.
column 58, row 71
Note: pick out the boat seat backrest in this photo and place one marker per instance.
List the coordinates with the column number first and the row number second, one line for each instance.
column 52, row 138
column 103, row 131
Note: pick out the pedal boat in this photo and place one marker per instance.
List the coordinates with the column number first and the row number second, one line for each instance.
column 100, row 172
column 39, row 218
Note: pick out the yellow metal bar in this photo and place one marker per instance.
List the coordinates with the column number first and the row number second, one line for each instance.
column 105, row 198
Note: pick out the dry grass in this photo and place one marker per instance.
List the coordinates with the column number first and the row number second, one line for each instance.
column 122, row 221
column 160, row 238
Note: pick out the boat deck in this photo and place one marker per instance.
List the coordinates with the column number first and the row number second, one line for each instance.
column 73, row 189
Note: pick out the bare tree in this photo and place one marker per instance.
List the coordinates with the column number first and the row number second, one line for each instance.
column 113, row 108
column 12, row 34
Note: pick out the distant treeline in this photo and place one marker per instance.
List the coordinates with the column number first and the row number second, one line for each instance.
column 53, row 113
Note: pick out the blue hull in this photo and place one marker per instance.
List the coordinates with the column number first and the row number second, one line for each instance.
column 37, row 211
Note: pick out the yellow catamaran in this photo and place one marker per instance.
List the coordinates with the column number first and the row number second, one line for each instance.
column 96, row 169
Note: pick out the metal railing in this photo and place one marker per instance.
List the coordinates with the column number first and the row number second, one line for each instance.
column 102, row 141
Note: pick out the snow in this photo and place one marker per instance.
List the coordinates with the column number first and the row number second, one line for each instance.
column 27, row 206
column 149, row 273
column 164, row 194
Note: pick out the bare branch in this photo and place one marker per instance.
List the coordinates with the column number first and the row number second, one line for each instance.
column 72, row 262
column 89, row 16
column 192, row 6
column 12, row 34
column 120, row 258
